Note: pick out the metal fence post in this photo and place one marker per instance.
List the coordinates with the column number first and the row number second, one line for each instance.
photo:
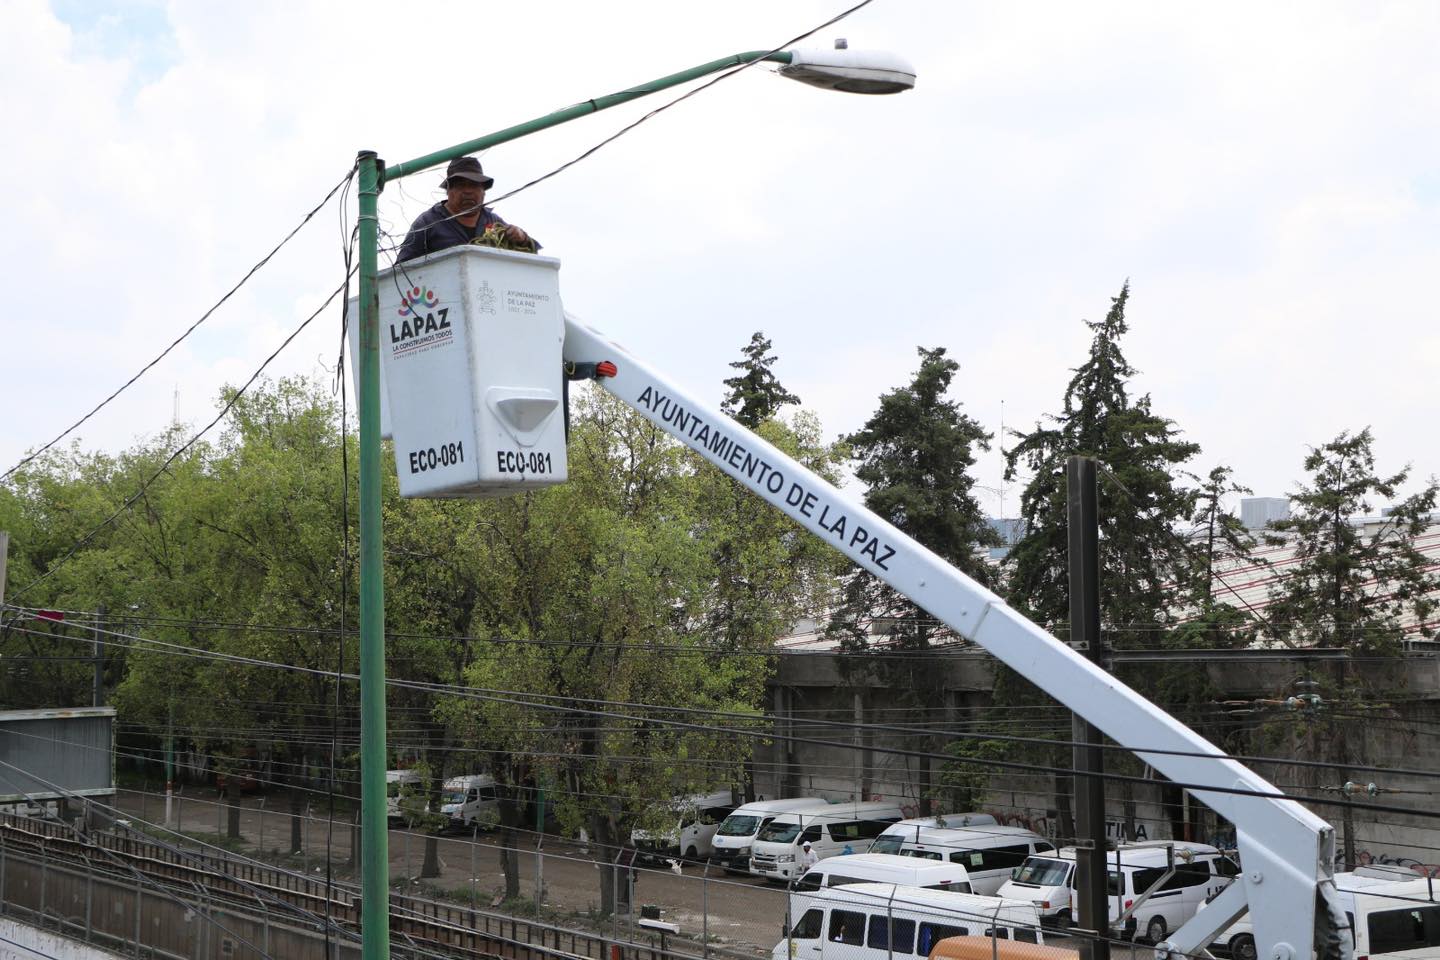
column 44, row 872
column 539, row 873
column 705, row 911
column 137, row 916
column 89, row 897
column 474, row 877
column 262, row 831
column 2, row 873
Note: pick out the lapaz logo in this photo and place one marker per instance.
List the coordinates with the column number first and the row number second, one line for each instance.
column 411, row 302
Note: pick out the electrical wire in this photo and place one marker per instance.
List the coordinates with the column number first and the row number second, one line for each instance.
column 572, row 706
column 229, row 404
column 685, row 96
column 191, row 329
column 136, row 874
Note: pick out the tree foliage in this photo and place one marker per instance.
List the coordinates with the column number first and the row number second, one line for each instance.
column 1349, row 587
column 756, row 395
column 1141, row 500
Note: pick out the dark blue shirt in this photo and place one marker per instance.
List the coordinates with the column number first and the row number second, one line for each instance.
column 438, row 229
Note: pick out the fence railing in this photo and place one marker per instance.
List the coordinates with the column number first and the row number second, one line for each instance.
column 166, row 901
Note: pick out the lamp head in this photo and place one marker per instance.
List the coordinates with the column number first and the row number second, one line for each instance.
column 851, row 71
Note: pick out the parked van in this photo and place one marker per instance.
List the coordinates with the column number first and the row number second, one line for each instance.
column 696, row 820
column 989, row 853
column 737, row 832
column 882, row 921
column 1389, row 917
column 883, row 868
column 399, row 784
column 984, row 948
column 471, row 802
column 1201, row 871
column 829, row 828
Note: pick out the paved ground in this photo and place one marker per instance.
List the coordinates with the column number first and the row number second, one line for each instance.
column 742, row 913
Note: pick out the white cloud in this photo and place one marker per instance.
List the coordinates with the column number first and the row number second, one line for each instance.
column 1262, row 173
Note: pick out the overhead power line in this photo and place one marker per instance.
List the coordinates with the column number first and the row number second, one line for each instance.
column 189, row 330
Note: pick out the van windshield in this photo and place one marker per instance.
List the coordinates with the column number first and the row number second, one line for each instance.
column 737, row 826
column 887, row 843
column 777, row 831
column 453, row 796
column 1043, row 872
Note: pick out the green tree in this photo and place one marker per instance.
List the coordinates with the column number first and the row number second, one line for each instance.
column 755, row 394
column 914, row 456
column 1221, row 537
column 602, row 594
column 1350, row 587
column 1142, row 504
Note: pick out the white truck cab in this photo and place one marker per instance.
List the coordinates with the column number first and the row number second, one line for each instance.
column 883, row 921
column 830, row 829
column 1200, row 872
column 989, row 852
column 471, row 802
column 737, row 832
column 695, row 821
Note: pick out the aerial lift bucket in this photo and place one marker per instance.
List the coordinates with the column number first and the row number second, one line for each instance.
column 471, row 372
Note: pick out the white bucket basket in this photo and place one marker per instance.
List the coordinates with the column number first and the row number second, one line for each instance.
column 470, row 364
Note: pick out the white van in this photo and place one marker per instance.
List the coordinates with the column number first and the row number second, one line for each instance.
column 990, row 853
column 1389, row 917
column 830, row 829
column 398, row 785
column 1201, row 871
column 471, row 802
column 883, row 868
column 696, row 820
column 882, row 921
column 737, row 832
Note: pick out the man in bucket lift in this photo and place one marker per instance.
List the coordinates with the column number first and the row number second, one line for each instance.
column 461, row 217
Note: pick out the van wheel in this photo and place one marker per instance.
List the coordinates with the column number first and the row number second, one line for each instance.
column 1242, row 947
column 1063, row 920
column 1155, row 929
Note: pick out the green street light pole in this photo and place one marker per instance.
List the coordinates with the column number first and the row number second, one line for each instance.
column 843, row 70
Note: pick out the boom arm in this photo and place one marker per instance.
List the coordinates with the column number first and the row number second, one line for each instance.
column 1287, row 851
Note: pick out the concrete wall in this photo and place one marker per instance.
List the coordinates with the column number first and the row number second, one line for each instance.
column 46, row 944
column 1389, row 716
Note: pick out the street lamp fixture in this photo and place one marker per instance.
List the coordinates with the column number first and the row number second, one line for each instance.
column 850, row 71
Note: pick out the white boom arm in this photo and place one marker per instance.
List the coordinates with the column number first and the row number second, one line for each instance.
column 1287, row 851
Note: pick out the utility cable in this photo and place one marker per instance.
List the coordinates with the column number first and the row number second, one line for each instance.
column 229, row 404
column 191, row 329
column 570, row 705
column 684, row 96
column 136, row 874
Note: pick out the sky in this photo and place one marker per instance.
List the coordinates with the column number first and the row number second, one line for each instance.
column 1263, row 175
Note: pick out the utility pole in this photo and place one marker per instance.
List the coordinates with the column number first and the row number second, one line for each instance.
column 1093, row 895
column 4, row 557
column 97, row 696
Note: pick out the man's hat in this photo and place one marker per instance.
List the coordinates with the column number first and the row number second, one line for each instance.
column 806, row 844
column 466, row 168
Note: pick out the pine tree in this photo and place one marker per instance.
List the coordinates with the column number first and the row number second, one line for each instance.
column 1351, row 588
column 914, row 456
column 1220, row 536
column 1141, row 501
column 1141, row 507
column 755, row 394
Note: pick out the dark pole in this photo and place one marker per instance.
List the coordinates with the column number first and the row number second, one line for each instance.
column 1092, row 909
column 97, row 693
